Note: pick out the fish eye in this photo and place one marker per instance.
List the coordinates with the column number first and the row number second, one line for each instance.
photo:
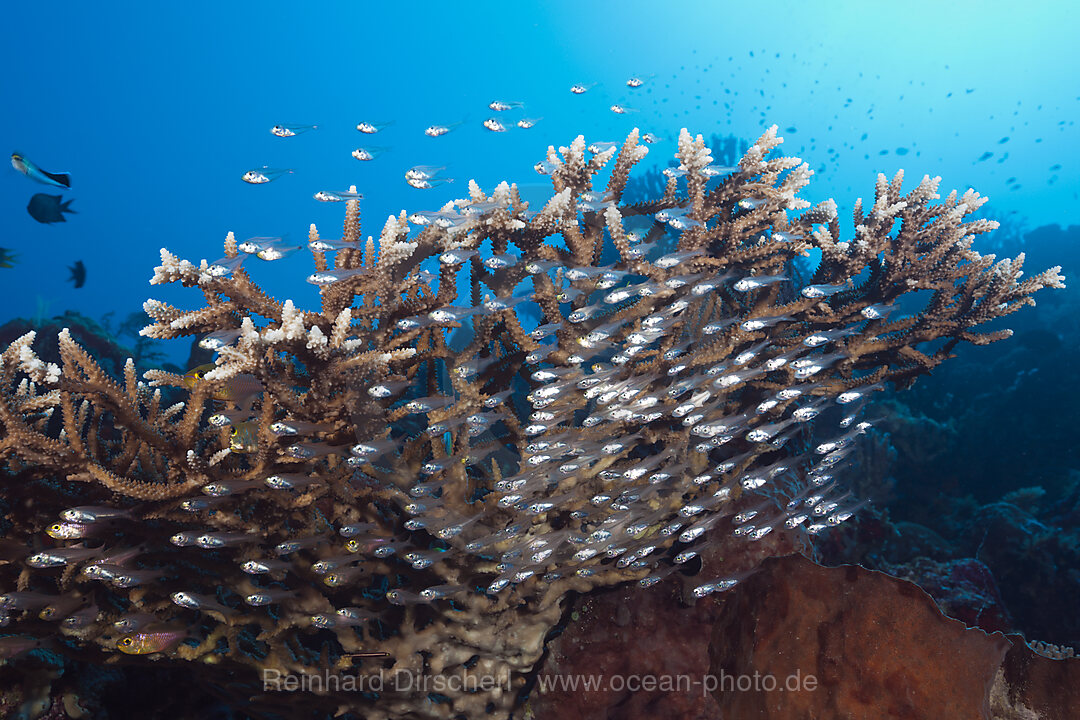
column 126, row 642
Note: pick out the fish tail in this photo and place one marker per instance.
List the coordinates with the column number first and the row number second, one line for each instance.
column 60, row 178
column 66, row 207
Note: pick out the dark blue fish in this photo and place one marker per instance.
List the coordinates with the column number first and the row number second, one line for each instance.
column 78, row 273
column 48, row 208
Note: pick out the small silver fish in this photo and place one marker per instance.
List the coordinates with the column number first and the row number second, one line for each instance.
column 440, row 591
column 327, row 245
column 820, row 338
column 288, row 481
column 757, row 281
column 497, row 262
column 277, row 252
column 308, row 451
column 876, row 312
column 92, row 513
column 425, row 176
column 427, row 404
column 291, row 546
column 821, row 291
column 456, row 256
column 224, row 488
column 212, row 540
column 440, row 130
column 370, row 152
column 683, row 223
column 58, row 557
column 224, row 267
column 219, row 339
column 672, row 259
column 193, row 601
column 133, row 622
column 535, row 267
column 711, row 171
column 329, row 277
column 264, row 566
column 502, row 106
column 263, row 175
column 370, row 128
column 668, row 214
column 291, row 130
column 254, row 244
column 427, row 185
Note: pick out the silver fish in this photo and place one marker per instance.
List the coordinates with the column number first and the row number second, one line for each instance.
column 286, row 130
column 263, row 175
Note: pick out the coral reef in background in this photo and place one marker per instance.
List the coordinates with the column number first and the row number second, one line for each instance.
column 942, row 506
column 110, row 347
column 645, row 186
column 478, row 420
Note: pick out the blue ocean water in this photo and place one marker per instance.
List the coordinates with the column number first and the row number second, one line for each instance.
column 156, row 110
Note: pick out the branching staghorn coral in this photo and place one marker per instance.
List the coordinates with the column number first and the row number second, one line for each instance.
column 478, row 420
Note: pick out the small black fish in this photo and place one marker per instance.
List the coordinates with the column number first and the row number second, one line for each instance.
column 48, row 208
column 78, row 273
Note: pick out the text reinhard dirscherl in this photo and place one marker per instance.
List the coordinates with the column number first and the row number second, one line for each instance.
column 383, row 681
column 406, row 681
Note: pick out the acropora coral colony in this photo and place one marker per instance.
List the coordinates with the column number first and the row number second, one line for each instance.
column 413, row 479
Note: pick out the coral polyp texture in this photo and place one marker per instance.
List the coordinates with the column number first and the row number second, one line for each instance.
column 508, row 405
